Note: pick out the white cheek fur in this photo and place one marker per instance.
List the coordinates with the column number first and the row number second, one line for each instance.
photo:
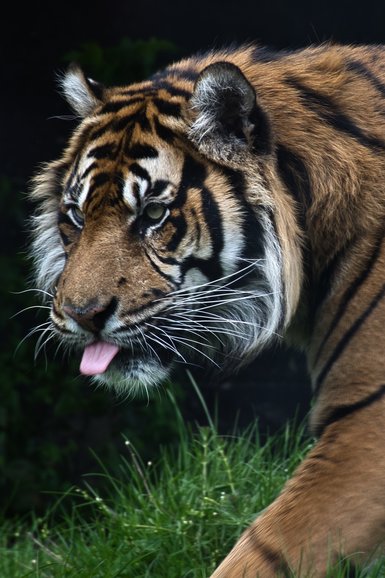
column 47, row 249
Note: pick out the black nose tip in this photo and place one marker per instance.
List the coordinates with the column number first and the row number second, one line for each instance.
column 93, row 315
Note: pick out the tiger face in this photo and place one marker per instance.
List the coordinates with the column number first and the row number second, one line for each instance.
column 156, row 244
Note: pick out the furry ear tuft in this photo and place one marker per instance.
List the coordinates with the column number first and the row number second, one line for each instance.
column 82, row 93
column 227, row 122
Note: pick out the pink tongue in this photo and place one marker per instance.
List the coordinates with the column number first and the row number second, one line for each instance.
column 97, row 357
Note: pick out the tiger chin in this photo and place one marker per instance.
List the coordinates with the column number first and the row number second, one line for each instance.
column 234, row 198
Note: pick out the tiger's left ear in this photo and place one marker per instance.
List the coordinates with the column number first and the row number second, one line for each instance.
column 227, row 121
column 82, row 93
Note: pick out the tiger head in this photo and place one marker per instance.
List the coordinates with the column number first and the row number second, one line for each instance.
column 162, row 234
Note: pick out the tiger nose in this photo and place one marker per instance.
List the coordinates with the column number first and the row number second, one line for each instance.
column 92, row 316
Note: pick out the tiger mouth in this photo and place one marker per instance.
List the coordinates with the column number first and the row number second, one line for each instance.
column 100, row 356
column 134, row 371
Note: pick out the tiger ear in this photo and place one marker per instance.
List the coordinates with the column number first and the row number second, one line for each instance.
column 227, row 121
column 83, row 94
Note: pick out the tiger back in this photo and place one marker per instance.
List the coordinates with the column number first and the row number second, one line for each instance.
column 233, row 199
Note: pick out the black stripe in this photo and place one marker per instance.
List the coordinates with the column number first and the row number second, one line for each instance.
column 213, row 222
column 115, row 125
column 158, row 187
column 99, row 180
column 168, row 260
column 167, row 107
column 169, row 278
column 117, row 105
column 254, row 236
column 89, row 169
column 163, row 132
column 106, row 151
column 197, row 224
column 73, row 191
column 331, row 113
column 322, row 286
column 142, row 151
column 349, row 293
column 360, row 69
column 64, row 219
column 100, row 130
column 180, row 225
column 261, row 133
column 135, row 311
column 135, row 191
column 344, row 410
column 72, row 183
column 296, row 177
column 272, row 557
column 294, row 173
column 210, row 267
column 121, row 123
column 115, row 182
column 344, row 341
column 252, row 228
column 142, row 121
column 173, row 90
column 157, row 293
column 140, row 172
column 189, row 74
column 141, row 90
column 193, row 176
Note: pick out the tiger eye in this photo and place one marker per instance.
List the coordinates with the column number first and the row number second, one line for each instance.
column 154, row 211
column 77, row 215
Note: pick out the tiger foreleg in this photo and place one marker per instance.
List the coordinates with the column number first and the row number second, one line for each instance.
column 333, row 507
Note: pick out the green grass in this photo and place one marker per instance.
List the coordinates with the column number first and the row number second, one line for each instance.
column 175, row 518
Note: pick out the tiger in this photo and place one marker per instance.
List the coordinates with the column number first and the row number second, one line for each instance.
column 234, row 199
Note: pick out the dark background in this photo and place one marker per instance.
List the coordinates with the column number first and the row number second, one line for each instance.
column 50, row 418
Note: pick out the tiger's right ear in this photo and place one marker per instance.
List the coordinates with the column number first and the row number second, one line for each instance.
column 227, row 121
column 82, row 93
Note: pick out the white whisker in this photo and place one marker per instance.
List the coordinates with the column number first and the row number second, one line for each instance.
column 29, row 290
column 187, row 343
column 236, row 274
column 28, row 308
column 158, row 318
column 170, row 346
column 42, row 344
column 148, row 345
column 37, row 329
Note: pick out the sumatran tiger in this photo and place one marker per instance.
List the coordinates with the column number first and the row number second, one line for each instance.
column 234, row 197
